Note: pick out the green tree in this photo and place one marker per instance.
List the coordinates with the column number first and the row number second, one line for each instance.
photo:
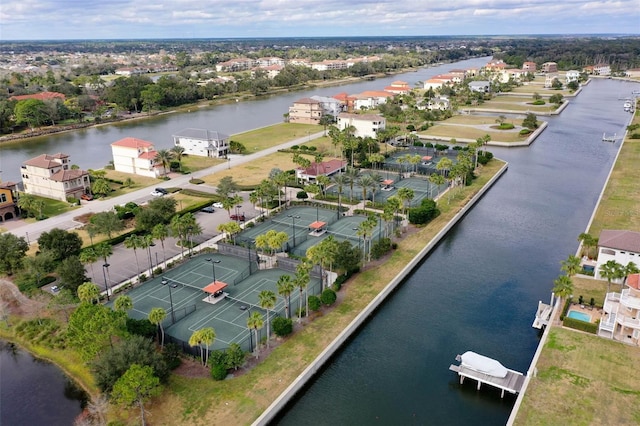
column 530, row 121
column 226, row 187
column 405, row 195
column 12, row 251
column 161, row 232
column 255, row 322
column 134, row 242
column 60, row 243
column 88, row 292
column 160, row 210
column 123, row 304
column 177, row 152
column 207, row 336
column 231, row 229
column 340, row 180
column 31, row 112
column 563, row 286
column 101, row 187
column 91, row 329
column 301, row 280
column 285, row 288
column 267, row 301
column 136, row 385
column 107, row 223
column 164, row 157
column 571, row 265
column 611, row 270
column 71, row 272
column 156, row 316
column 629, row 269
column 588, row 242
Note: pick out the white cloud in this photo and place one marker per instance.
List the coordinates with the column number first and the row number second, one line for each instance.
column 59, row 19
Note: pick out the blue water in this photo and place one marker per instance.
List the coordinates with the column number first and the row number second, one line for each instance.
column 479, row 288
column 581, row 316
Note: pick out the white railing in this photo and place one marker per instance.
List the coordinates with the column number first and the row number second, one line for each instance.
column 628, row 321
column 629, row 301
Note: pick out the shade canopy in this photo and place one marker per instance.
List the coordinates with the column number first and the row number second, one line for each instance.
column 387, row 182
column 215, row 287
column 317, row 225
column 427, row 158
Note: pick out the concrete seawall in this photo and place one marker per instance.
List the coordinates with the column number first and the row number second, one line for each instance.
column 334, row 346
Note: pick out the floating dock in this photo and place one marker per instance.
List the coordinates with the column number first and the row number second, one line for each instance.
column 512, row 381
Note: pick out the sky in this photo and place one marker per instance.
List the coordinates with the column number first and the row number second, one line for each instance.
column 144, row 19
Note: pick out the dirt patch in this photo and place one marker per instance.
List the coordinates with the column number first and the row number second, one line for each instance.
column 13, row 302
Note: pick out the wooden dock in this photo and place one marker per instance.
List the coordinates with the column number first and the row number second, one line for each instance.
column 543, row 315
column 511, row 383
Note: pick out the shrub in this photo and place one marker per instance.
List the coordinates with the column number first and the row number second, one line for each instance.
column 422, row 214
column 302, row 195
column 218, row 372
column 295, row 147
column 142, row 327
column 525, row 132
column 282, row 326
column 171, row 354
column 328, row 297
column 314, row 303
column 195, row 181
column 589, row 327
column 380, row 248
column 506, row 126
column 538, row 102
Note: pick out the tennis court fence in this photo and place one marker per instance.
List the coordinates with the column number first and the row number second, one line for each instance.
column 290, row 265
column 247, row 344
column 178, row 314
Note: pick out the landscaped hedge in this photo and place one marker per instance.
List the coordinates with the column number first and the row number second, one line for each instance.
column 576, row 324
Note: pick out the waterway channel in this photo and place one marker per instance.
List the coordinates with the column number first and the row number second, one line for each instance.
column 479, row 288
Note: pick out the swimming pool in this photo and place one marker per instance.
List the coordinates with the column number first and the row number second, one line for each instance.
column 580, row 316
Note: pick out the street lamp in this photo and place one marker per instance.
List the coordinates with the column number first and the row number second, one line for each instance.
column 189, row 230
column 293, row 225
column 213, row 267
column 250, row 336
column 173, row 316
column 105, row 267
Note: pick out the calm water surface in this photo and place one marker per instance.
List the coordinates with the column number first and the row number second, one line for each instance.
column 35, row 392
column 479, row 289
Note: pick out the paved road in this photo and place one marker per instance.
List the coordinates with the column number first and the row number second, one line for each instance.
column 122, row 265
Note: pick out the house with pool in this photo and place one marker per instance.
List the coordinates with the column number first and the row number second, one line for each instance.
column 618, row 245
column 621, row 319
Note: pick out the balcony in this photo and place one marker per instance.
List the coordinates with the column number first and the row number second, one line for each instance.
column 629, row 301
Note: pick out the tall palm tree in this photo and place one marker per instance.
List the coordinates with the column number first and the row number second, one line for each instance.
column 376, row 178
column 255, row 322
column 161, row 232
column 156, row 316
column 365, row 182
column 196, row 340
column 88, row 256
column 611, row 270
column 588, row 241
column 352, row 175
column 134, row 242
column 207, row 336
column 123, row 304
column 405, row 195
column 104, row 250
column 300, row 280
column 571, row 265
column 629, row 269
column 285, row 287
column 340, row 180
column 164, row 157
column 88, row 292
column 563, row 286
column 267, row 301
column 177, row 152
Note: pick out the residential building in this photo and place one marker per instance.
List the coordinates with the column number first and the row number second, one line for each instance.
column 601, row 69
column 398, row 88
column 571, row 75
column 269, row 61
column 621, row 319
column 549, row 67
column 8, row 197
column 618, row 245
column 529, row 67
column 330, row 106
column 370, row 99
column 235, row 65
column 549, row 79
column 305, row 110
column 51, row 176
column 325, row 168
column 202, row 142
column 365, row 125
column 632, row 73
column 438, row 103
column 480, row 86
column 136, row 156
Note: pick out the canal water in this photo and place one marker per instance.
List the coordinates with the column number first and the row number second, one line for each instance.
column 479, row 288
column 35, row 392
column 91, row 148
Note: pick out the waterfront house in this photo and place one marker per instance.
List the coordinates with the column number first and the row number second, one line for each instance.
column 622, row 313
column 202, row 142
column 365, row 125
column 136, row 156
column 8, row 197
column 549, row 67
column 398, row 88
column 480, row 86
column 618, row 245
column 325, row 168
column 549, row 79
column 306, row 111
column 51, row 176
column 571, row 75
column 371, row 99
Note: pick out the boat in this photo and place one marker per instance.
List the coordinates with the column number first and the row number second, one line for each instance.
column 627, row 105
column 483, row 364
column 606, row 138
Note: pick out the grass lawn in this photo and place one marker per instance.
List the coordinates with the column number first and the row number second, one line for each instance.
column 51, row 207
column 588, row 288
column 506, row 103
column 468, row 132
column 583, row 380
column 266, row 137
column 254, row 172
column 242, row 399
column 620, row 204
column 193, row 163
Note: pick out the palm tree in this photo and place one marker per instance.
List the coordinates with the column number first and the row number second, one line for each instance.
column 177, row 152
column 436, row 180
column 207, row 336
column 164, row 156
column 26, row 202
column 255, row 322
column 285, row 287
column 571, row 266
column 267, row 301
column 88, row 256
column 630, row 269
column 300, row 280
column 88, row 292
column 563, row 286
column 405, row 195
column 365, row 181
column 156, row 316
column 161, row 232
column 375, row 185
column 588, row 241
column 123, row 304
column 277, row 239
column 352, row 175
column 196, row 340
column 611, row 270
column 134, row 242
column 104, row 250
column 340, row 180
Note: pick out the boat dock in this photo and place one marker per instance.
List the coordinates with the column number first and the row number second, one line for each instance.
column 512, row 382
column 606, row 138
column 543, row 315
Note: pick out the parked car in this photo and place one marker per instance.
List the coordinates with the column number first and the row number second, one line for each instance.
column 159, row 192
column 86, row 197
column 209, row 209
column 55, row 289
column 217, row 205
column 239, row 217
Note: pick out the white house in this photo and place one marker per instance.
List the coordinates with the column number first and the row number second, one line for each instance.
column 202, row 142
column 618, row 245
column 51, row 176
column 371, row 99
column 136, row 156
column 571, row 75
column 364, row 124
column 549, row 79
column 438, row 103
column 480, row 86
column 330, row 106
column 621, row 319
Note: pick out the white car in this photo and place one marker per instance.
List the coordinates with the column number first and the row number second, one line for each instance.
column 217, row 205
column 157, row 193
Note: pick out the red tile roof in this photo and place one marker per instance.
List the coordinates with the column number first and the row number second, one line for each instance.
column 67, row 175
column 149, row 155
column 132, row 143
column 324, row 168
column 633, row 281
column 42, row 96
column 46, row 161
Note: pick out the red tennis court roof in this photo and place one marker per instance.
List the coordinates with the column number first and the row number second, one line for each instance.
column 426, row 158
column 387, row 181
column 214, row 287
column 317, row 224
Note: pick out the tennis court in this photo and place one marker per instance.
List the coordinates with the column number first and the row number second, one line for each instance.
column 422, row 188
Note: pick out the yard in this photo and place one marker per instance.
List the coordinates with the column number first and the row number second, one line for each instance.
column 266, row 137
